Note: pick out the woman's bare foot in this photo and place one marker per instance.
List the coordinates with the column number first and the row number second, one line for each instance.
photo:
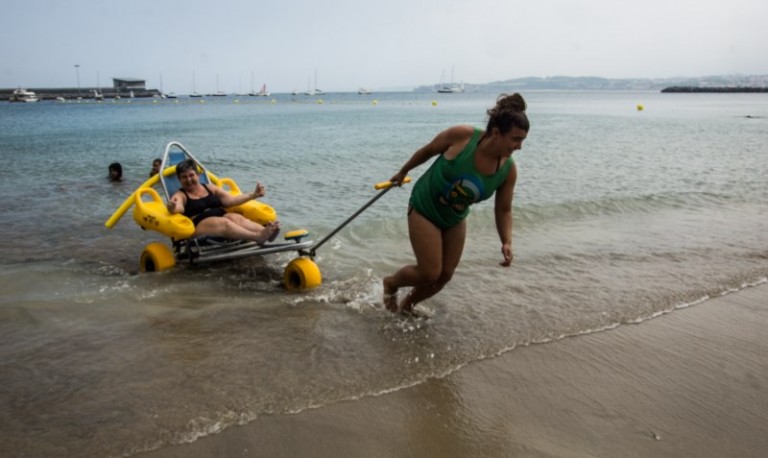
column 269, row 234
column 390, row 296
column 276, row 226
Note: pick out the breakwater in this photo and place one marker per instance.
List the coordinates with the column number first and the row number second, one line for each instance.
column 83, row 93
column 684, row 89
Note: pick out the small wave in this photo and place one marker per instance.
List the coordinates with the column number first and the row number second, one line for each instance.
column 582, row 209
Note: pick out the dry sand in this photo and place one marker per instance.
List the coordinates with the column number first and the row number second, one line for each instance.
column 692, row 383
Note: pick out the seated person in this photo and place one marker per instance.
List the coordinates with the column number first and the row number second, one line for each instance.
column 115, row 171
column 205, row 205
column 155, row 167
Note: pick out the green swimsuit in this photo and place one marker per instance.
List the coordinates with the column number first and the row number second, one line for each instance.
column 447, row 189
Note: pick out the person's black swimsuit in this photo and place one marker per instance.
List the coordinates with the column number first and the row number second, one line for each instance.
column 199, row 209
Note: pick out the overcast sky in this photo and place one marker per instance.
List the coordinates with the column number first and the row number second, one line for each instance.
column 386, row 44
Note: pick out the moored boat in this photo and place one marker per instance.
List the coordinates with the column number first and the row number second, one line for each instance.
column 262, row 93
column 23, row 95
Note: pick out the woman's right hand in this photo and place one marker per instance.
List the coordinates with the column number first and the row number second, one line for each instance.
column 398, row 178
column 172, row 207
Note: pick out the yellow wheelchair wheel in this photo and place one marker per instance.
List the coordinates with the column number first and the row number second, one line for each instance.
column 156, row 257
column 302, row 273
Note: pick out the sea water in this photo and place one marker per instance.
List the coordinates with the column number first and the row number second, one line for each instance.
column 620, row 215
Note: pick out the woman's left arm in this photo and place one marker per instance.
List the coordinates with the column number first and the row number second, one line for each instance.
column 228, row 200
column 503, row 213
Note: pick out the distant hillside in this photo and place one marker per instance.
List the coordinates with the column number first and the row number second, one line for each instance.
column 584, row 83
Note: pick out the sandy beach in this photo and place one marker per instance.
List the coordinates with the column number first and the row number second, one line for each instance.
column 689, row 383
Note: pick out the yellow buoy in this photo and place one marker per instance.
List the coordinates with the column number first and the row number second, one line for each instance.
column 434, row 103
column 640, row 107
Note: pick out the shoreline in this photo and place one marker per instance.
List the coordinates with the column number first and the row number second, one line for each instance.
column 719, row 89
column 688, row 383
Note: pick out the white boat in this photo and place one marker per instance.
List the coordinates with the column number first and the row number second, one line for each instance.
column 309, row 90
column 262, row 93
column 23, row 95
column 450, row 89
column 314, row 90
column 194, row 93
column 163, row 94
column 364, row 91
column 218, row 92
column 97, row 95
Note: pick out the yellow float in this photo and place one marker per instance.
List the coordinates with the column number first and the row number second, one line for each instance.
column 154, row 215
column 253, row 209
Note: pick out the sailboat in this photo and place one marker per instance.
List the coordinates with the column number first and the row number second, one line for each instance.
column 262, row 93
column 162, row 94
column 450, row 88
column 97, row 95
column 194, row 92
column 218, row 93
column 314, row 90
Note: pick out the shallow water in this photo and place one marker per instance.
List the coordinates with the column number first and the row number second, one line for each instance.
column 620, row 215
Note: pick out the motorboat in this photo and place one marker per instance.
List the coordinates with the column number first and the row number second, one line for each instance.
column 23, row 95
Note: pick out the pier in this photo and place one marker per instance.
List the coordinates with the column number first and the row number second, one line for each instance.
column 686, row 89
column 73, row 93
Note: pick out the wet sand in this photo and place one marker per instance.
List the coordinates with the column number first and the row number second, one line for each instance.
column 690, row 383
